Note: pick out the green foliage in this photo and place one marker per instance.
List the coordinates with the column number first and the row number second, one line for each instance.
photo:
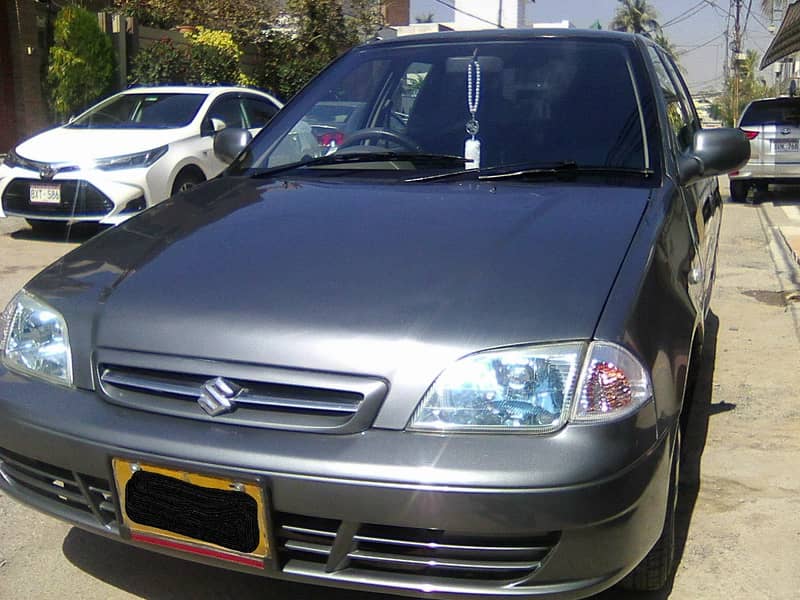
column 211, row 56
column 81, row 62
column 310, row 35
column 725, row 108
column 214, row 56
column 244, row 19
column 636, row 16
column 318, row 33
column 162, row 62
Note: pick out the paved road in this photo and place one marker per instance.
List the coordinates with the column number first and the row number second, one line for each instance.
column 739, row 505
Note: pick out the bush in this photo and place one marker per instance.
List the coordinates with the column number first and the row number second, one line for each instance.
column 210, row 57
column 162, row 62
column 81, row 62
column 215, row 56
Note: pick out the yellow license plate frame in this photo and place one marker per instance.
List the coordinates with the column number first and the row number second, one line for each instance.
column 124, row 469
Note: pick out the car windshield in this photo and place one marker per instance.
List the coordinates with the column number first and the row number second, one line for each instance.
column 142, row 111
column 783, row 111
column 529, row 102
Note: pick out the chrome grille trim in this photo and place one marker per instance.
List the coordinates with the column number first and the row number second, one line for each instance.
column 154, row 385
column 389, row 551
column 73, row 495
column 270, row 397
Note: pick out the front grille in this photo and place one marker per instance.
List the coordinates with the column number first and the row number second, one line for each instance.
column 272, row 399
column 419, row 553
column 70, row 493
column 78, row 199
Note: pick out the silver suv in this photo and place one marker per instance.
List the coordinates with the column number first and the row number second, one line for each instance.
column 773, row 127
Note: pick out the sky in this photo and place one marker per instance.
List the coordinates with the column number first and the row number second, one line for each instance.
column 698, row 31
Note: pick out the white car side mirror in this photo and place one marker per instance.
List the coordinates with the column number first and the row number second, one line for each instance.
column 218, row 125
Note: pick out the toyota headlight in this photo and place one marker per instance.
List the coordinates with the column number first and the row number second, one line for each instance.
column 534, row 389
column 34, row 340
column 131, row 161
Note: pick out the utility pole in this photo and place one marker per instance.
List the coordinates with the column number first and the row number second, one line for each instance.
column 738, row 57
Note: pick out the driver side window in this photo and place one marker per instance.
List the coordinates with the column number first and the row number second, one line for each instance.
column 401, row 104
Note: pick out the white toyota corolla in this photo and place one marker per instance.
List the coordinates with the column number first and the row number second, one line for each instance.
column 126, row 153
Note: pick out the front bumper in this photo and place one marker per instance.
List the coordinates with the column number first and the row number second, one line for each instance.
column 332, row 492
column 768, row 172
column 106, row 197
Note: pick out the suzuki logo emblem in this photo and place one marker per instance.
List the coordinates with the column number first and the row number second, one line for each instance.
column 218, row 396
column 786, row 131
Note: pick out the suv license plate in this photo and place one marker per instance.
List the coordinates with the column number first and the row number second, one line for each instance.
column 205, row 515
column 787, row 146
column 45, row 194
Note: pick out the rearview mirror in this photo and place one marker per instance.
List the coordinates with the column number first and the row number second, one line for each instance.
column 714, row 152
column 230, row 142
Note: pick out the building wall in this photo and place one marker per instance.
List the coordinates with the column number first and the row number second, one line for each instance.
column 396, row 12
column 24, row 62
column 487, row 13
column 8, row 125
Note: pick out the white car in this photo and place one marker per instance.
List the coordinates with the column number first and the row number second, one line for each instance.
column 126, row 153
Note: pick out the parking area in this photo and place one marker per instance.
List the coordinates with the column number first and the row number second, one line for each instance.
column 739, row 505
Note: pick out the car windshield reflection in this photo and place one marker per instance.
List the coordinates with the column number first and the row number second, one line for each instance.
column 493, row 103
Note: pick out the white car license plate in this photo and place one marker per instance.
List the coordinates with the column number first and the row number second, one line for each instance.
column 45, row 193
column 787, row 146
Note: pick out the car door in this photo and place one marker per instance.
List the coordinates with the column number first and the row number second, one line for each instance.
column 225, row 110
column 701, row 199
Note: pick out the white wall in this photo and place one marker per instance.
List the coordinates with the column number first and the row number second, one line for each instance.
column 488, row 11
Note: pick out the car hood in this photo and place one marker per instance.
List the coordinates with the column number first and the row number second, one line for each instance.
column 368, row 279
column 68, row 145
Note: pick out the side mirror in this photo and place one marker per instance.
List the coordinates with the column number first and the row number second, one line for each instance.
column 217, row 125
column 230, row 142
column 714, row 152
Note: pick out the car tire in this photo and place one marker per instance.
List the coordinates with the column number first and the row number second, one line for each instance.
column 187, row 179
column 45, row 227
column 739, row 190
column 656, row 568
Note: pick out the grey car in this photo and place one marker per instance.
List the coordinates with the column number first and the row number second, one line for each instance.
column 773, row 127
column 445, row 355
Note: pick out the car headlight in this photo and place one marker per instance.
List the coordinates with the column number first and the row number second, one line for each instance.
column 12, row 159
column 34, row 340
column 534, row 389
column 131, row 161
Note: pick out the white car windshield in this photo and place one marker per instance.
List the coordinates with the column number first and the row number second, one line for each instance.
column 142, row 111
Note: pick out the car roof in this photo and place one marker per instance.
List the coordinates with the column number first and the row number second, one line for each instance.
column 214, row 90
column 488, row 35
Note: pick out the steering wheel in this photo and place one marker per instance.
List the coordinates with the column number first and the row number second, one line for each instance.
column 378, row 133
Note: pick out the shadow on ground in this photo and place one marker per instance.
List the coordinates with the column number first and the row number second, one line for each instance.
column 59, row 232
column 146, row 575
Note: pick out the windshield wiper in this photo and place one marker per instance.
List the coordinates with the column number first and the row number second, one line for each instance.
column 443, row 160
column 567, row 169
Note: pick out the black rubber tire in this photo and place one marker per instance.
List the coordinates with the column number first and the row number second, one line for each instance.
column 655, row 570
column 739, row 190
column 46, row 227
column 187, row 179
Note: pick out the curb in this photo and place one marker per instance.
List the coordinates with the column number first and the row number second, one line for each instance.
column 791, row 239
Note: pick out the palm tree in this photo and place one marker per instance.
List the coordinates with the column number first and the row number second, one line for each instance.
column 636, row 16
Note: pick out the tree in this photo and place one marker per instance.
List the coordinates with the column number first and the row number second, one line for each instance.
column 662, row 40
column 724, row 108
column 636, row 16
column 365, row 17
column 316, row 32
column 81, row 62
column 246, row 20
